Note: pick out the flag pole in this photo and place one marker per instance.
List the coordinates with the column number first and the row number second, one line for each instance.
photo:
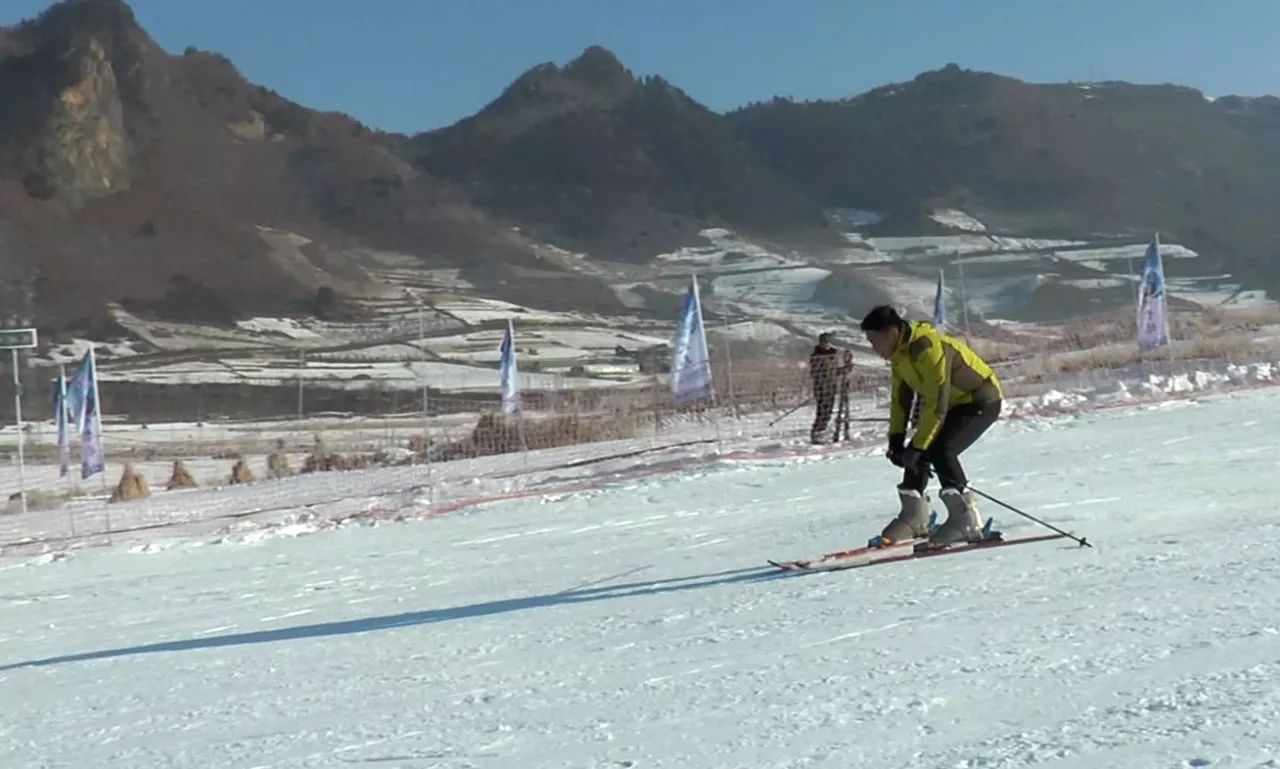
column 64, row 448
column 1164, row 282
column 64, row 432
column 702, row 329
column 17, row 410
column 97, row 415
column 728, row 367
column 515, row 387
column 964, row 294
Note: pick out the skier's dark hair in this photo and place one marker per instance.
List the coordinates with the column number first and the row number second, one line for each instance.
column 881, row 318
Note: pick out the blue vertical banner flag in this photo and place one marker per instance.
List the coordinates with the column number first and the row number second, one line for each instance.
column 82, row 403
column 507, row 373
column 939, row 305
column 77, row 396
column 92, row 460
column 690, row 360
column 1153, row 313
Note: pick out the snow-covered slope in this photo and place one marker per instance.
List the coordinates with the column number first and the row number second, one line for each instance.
column 638, row 626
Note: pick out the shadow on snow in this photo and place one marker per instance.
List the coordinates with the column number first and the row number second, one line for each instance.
column 426, row 617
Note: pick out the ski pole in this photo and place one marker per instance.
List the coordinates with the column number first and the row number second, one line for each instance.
column 791, row 411
column 1083, row 541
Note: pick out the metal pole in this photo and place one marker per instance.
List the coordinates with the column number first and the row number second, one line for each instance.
column 62, row 417
column 422, row 351
column 657, row 420
column 426, row 405
column 1133, row 277
column 97, row 422
column 964, row 294
column 302, row 364
column 728, row 370
column 17, row 410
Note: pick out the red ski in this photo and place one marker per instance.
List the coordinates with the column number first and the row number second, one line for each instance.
column 903, row 552
column 847, row 558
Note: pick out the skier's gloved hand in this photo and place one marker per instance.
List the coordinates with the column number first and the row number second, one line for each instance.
column 911, row 458
column 896, row 443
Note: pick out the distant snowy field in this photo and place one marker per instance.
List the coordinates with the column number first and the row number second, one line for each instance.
column 428, row 325
column 351, row 373
column 637, row 626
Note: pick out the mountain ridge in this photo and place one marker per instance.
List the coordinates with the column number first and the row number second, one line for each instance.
column 132, row 176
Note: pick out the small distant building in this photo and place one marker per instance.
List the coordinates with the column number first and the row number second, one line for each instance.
column 606, row 370
column 653, row 360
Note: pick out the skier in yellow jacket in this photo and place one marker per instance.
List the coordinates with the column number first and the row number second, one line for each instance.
column 960, row 398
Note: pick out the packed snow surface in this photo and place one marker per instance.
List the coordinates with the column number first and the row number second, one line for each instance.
column 638, row 625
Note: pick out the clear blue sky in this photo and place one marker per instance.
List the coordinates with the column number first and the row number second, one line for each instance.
column 410, row 65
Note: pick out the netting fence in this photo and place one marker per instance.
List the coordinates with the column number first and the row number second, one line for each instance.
column 427, row 449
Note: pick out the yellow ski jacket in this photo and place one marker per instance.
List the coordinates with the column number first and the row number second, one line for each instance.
column 941, row 370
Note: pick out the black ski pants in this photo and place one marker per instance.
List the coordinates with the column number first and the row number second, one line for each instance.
column 961, row 427
column 825, row 396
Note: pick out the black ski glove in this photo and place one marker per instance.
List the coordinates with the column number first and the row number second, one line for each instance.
column 911, row 458
column 897, row 443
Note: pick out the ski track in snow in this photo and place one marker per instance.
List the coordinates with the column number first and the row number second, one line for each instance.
column 639, row 626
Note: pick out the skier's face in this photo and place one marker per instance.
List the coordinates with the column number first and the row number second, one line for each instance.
column 884, row 342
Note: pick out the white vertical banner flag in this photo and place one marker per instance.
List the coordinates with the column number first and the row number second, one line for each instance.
column 507, row 373
column 1153, row 312
column 690, row 359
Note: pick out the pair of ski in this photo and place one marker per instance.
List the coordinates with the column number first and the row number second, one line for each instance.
column 878, row 552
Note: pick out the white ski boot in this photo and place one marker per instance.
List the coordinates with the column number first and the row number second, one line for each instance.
column 964, row 522
column 912, row 520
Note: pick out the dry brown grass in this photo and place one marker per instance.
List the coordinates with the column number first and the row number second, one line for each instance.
column 1117, row 355
column 493, row 434
column 1199, row 324
column 996, row 351
column 1106, row 356
column 1236, row 320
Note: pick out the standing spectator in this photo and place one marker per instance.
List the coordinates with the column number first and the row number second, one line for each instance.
column 824, row 375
